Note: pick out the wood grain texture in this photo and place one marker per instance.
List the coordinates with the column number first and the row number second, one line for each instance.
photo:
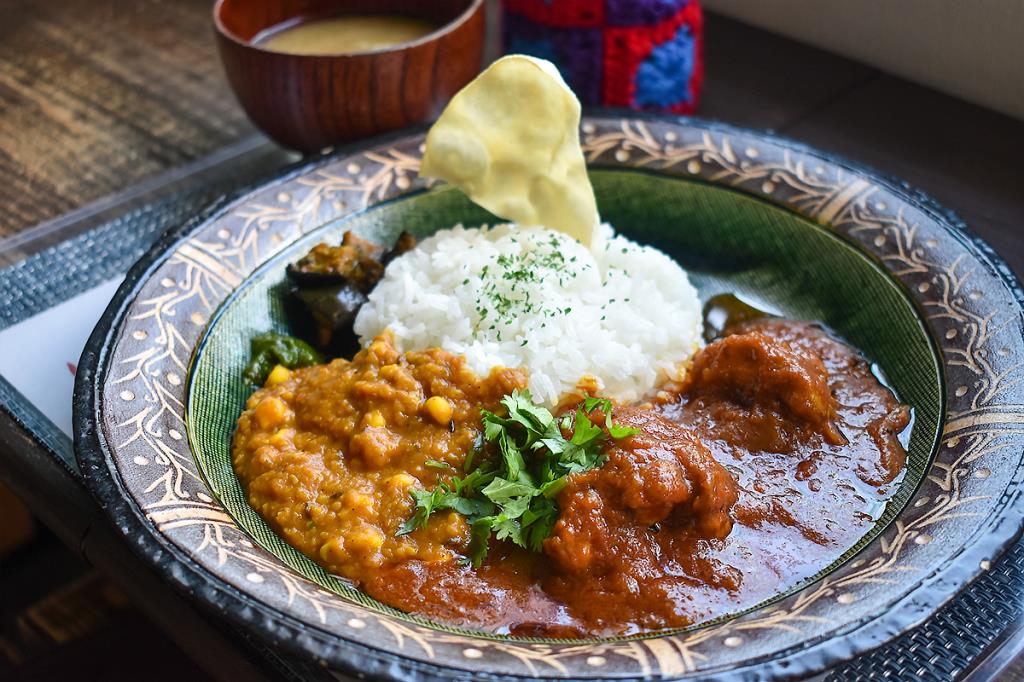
column 96, row 95
column 308, row 102
column 61, row 502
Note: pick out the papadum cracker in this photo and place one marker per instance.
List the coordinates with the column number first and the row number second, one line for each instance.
column 510, row 141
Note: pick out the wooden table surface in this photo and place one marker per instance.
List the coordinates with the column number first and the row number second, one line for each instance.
column 97, row 96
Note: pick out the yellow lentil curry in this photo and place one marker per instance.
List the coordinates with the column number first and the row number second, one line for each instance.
column 328, row 453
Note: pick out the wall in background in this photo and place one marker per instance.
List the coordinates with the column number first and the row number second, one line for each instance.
column 973, row 49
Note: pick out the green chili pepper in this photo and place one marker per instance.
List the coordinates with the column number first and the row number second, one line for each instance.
column 272, row 349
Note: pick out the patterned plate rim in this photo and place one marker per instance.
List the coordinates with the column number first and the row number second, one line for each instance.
column 900, row 226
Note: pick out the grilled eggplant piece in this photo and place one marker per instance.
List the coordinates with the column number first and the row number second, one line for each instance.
column 330, row 283
column 405, row 242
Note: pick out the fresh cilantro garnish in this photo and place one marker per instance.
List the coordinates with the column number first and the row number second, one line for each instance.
column 444, row 496
column 511, row 493
column 605, row 405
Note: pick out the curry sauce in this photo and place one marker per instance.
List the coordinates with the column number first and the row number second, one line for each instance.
column 770, row 460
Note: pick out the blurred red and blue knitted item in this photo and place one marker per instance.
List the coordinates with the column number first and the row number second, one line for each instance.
column 643, row 54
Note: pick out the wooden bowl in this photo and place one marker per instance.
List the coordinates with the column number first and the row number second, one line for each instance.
column 308, row 102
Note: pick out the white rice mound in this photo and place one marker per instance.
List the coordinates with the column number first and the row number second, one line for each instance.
column 529, row 297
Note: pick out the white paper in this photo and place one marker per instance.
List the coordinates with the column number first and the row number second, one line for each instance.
column 39, row 356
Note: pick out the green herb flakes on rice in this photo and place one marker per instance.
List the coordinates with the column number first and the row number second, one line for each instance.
column 511, row 296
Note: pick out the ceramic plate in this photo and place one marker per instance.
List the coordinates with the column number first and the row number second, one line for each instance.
column 796, row 232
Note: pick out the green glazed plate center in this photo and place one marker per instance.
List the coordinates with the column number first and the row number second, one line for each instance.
column 727, row 241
